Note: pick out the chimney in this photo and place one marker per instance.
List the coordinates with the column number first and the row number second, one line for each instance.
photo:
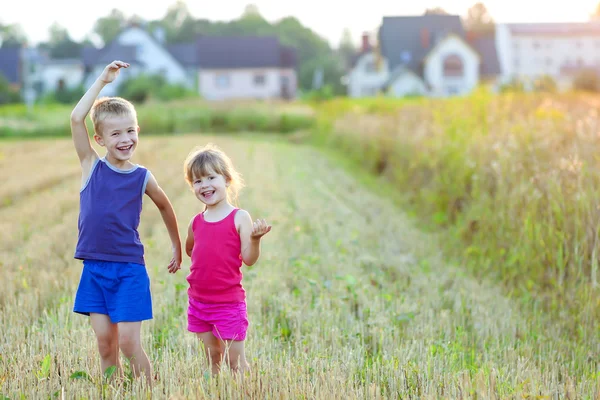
column 471, row 36
column 425, row 39
column 366, row 44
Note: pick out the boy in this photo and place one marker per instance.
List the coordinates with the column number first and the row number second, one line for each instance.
column 114, row 289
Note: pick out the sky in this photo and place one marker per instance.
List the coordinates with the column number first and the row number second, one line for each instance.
column 328, row 18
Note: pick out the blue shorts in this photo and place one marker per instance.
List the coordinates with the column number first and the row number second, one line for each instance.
column 118, row 289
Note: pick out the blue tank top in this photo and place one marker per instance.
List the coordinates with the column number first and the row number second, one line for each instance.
column 109, row 214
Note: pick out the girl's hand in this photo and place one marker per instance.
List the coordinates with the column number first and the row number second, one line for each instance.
column 259, row 229
column 111, row 71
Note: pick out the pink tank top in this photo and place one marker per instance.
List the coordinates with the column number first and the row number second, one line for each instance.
column 216, row 274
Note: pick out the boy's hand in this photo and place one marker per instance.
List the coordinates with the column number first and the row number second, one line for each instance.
column 111, row 71
column 259, row 229
column 175, row 264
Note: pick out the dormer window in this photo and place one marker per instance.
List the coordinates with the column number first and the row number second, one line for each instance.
column 453, row 66
column 405, row 56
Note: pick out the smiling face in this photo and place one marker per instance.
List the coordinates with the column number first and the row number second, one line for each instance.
column 211, row 188
column 119, row 134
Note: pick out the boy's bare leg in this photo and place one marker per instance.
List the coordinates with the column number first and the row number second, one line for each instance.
column 130, row 343
column 107, row 335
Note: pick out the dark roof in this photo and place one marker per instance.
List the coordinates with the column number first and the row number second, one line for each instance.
column 485, row 45
column 234, row 52
column 185, row 53
column 89, row 54
column 400, row 37
column 10, row 61
column 207, row 52
column 116, row 51
column 238, row 52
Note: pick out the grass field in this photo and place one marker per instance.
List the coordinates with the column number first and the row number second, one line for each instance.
column 349, row 299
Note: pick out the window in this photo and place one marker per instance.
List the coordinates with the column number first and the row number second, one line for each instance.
column 536, row 45
column 406, row 56
column 259, row 80
column 579, row 44
column 222, row 81
column 548, row 61
column 453, row 66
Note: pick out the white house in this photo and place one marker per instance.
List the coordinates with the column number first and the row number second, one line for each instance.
column 528, row 51
column 243, row 67
column 217, row 67
column 417, row 55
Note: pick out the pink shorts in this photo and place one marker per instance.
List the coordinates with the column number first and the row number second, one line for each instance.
column 227, row 321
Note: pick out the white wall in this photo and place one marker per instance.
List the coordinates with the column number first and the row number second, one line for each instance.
column 407, row 84
column 434, row 71
column 529, row 56
column 241, row 83
column 155, row 57
column 363, row 82
column 504, row 50
column 71, row 74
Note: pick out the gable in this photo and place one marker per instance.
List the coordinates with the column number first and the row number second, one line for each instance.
column 147, row 49
column 455, row 44
column 407, row 40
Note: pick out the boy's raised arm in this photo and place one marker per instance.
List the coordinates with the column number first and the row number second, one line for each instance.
column 79, row 132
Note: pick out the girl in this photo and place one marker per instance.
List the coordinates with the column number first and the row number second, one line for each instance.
column 219, row 239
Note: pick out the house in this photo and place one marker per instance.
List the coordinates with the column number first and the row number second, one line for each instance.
column 19, row 65
column 11, row 67
column 528, row 51
column 240, row 67
column 216, row 67
column 416, row 55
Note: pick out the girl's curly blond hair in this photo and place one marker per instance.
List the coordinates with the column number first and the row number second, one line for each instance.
column 210, row 158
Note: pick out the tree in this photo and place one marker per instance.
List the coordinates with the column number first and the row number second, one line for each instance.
column 251, row 9
column 346, row 49
column 60, row 44
column 12, row 35
column 595, row 16
column 178, row 23
column 109, row 27
column 436, row 11
column 479, row 19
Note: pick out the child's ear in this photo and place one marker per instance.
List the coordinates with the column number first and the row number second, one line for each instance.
column 99, row 139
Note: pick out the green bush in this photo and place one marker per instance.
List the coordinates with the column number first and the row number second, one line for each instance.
column 187, row 116
column 145, row 87
column 8, row 94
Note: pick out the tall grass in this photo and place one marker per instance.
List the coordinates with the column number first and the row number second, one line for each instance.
column 513, row 180
column 16, row 121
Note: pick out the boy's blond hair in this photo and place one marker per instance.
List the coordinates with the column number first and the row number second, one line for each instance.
column 201, row 161
column 109, row 106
